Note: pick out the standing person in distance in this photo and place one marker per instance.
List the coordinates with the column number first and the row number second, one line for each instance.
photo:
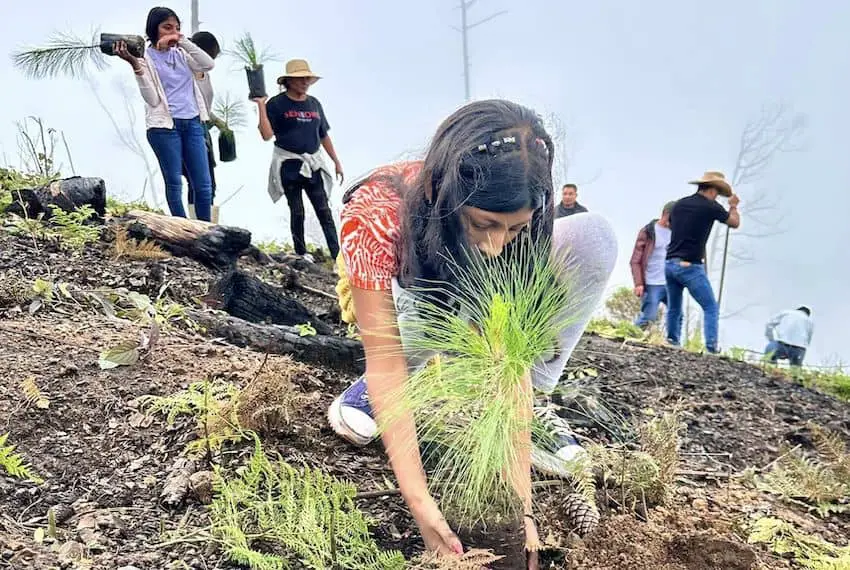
column 207, row 42
column 569, row 202
column 690, row 222
column 174, row 108
column 647, row 264
column 300, row 128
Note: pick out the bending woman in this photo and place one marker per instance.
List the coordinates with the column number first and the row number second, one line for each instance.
column 486, row 179
column 174, row 108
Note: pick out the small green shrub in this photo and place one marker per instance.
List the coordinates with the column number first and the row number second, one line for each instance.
column 274, row 517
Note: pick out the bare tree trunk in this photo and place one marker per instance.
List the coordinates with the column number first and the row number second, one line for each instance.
column 775, row 130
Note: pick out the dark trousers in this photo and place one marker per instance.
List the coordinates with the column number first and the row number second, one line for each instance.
column 294, row 188
column 778, row 350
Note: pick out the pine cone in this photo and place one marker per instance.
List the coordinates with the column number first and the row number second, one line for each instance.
column 581, row 515
column 14, row 291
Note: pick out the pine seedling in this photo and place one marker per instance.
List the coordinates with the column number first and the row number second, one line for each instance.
column 248, row 54
column 473, row 405
column 62, row 54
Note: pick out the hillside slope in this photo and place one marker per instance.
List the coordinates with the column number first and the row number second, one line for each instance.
column 104, row 462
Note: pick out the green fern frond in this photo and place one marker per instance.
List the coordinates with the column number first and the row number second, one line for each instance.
column 62, row 54
column 14, row 464
column 33, row 394
column 300, row 518
column 784, row 539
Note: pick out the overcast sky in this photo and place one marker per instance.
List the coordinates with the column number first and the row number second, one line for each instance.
column 653, row 93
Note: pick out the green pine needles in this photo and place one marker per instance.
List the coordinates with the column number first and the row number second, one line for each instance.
column 298, row 518
column 62, row 54
column 473, row 404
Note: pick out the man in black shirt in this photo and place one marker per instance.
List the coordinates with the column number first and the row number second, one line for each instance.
column 690, row 223
column 568, row 204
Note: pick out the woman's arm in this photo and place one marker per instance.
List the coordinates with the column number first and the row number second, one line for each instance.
column 265, row 125
column 147, row 85
column 386, row 374
column 328, row 145
column 144, row 74
column 520, row 474
column 197, row 59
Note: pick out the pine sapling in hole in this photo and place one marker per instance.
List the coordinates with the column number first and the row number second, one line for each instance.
column 473, row 405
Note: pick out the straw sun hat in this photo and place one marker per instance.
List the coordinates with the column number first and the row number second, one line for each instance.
column 298, row 68
column 715, row 180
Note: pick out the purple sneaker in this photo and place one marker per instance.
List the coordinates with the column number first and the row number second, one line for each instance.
column 350, row 415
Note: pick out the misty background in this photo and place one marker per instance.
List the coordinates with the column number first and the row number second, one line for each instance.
column 649, row 95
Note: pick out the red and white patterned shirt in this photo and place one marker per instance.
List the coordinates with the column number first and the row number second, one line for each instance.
column 371, row 228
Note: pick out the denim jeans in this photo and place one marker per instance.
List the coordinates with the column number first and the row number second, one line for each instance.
column 693, row 278
column 653, row 295
column 210, row 160
column 174, row 147
column 778, row 350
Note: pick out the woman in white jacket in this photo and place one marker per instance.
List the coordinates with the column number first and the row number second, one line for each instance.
column 174, row 108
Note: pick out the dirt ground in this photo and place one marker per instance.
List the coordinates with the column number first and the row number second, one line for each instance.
column 104, row 463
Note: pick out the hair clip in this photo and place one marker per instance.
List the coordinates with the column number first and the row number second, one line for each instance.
column 497, row 145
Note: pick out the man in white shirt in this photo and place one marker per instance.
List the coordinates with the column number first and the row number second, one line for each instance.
column 647, row 264
column 789, row 334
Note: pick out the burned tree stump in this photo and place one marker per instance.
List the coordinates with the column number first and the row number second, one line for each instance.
column 68, row 194
column 253, row 300
column 216, row 247
column 326, row 350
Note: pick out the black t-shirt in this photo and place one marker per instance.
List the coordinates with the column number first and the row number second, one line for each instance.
column 299, row 126
column 690, row 223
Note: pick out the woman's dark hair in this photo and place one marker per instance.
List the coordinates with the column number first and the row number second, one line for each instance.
column 156, row 16
column 207, row 42
column 495, row 155
column 284, row 81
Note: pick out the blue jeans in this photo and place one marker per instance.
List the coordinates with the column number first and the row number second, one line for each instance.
column 693, row 278
column 653, row 295
column 778, row 350
column 173, row 147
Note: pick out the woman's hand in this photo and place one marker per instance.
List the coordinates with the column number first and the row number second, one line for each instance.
column 168, row 41
column 340, row 175
column 260, row 100
column 532, row 543
column 435, row 531
column 119, row 48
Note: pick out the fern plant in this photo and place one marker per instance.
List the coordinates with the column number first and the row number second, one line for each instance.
column 821, row 480
column 808, row 551
column 125, row 246
column 71, row 227
column 474, row 404
column 299, row 518
column 14, row 464
column 211, row 403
